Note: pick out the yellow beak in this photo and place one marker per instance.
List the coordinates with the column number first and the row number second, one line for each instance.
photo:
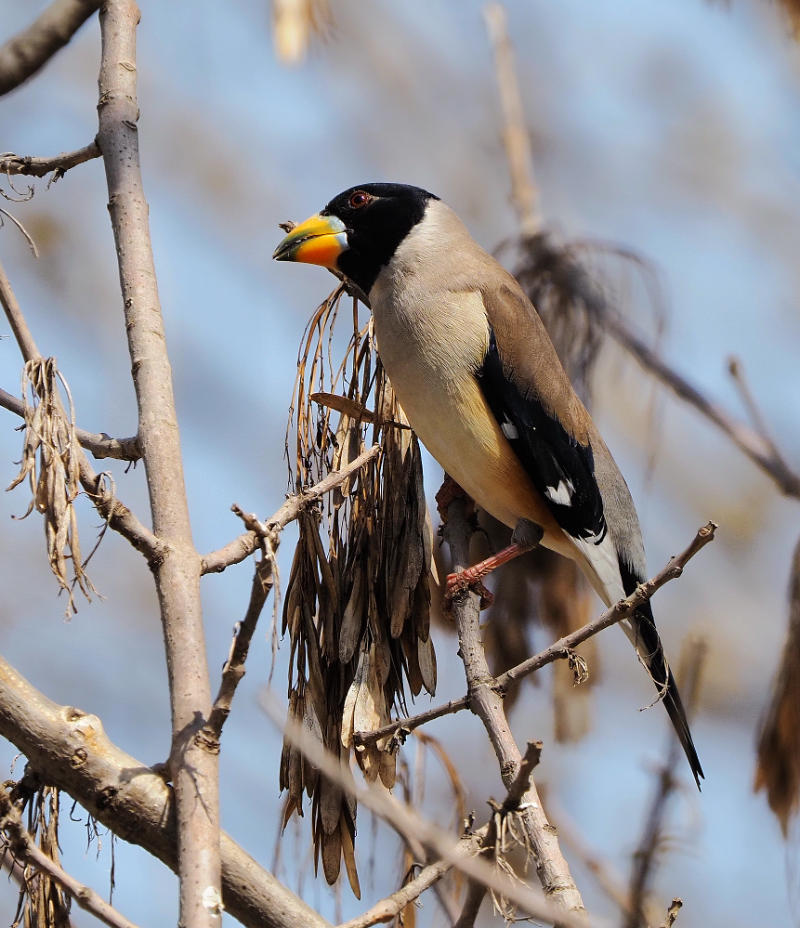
column 318, row 240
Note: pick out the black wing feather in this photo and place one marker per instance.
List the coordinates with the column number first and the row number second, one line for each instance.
column 551, row 457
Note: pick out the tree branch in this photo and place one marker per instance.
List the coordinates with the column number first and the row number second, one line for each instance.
column 487, row 703
column 234, row 669
column 193, row 759
column 24, row 54
column 24, row 848
column 39, row 167
column 246, row 544
column 69, row 749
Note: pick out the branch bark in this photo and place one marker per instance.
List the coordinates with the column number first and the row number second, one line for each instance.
column 69, row 749
column 39, row 167
column 25, row 54
column 193, row 759
column 487, row 703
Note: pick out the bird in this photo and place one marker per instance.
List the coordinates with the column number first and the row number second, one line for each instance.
column 482, row 387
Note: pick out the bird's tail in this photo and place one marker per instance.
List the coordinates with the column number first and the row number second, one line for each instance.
column 651, row 653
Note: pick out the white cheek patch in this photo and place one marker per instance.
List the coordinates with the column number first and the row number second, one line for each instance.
column 562, row 494
column 509, row 430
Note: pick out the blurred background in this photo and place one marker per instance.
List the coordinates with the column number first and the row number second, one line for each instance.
column 668, row 126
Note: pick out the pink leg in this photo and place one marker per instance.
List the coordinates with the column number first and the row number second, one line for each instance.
column 472, row 576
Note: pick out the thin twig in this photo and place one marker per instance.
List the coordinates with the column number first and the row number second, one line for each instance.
column 24, row 848
column 246, row 544
column 234, row 668
column 24, row 54
column 561, row 649
column 39, row 167
column 387, row 908
column 194, row 760
column 486, row 702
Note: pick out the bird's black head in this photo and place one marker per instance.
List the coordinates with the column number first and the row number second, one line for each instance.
column 358, row 231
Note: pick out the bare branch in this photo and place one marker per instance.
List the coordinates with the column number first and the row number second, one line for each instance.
column 234, row 669
column 242, row 547
column 24, row 54
column 761, row 451
column 24, row 848
column 387, row 908
column 194, row 761
column 486, row 702
column 39, row 167
column 69, row 749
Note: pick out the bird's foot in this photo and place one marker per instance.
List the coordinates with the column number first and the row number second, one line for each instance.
column 469, row 579
column 449, row 491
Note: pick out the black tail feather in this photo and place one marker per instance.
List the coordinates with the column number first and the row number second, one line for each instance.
column 652, row 654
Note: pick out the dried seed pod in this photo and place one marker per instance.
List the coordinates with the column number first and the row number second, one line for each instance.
column 347, row 830
column 332, row 854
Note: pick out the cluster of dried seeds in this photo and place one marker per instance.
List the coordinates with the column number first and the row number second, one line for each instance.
column 51, row 462
column 357, row 604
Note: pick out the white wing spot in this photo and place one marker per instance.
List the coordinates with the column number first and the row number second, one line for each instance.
column 562, row 494
column 509, row 429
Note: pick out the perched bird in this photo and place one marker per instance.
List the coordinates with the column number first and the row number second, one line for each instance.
column 483, row 388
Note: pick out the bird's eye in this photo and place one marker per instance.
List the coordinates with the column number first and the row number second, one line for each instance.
column 359, row 199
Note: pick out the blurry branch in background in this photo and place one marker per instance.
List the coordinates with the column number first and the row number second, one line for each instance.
column 563, row 649
column 39, row 167
column 486, row 702
column 294, row 25
column 651, row 844
column 422, row 834
column 24, row 54
column 525, row 194
column 69, row 749
column 778, row 769
column 20, row 843
column 566, row 273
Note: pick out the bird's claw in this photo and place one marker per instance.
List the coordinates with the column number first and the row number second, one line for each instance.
column 466, row 580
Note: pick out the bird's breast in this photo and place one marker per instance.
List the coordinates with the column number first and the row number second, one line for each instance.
column 431, row 349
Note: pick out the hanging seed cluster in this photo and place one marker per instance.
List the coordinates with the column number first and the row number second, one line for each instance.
column 42, row 903
column 51, row 462
column 357, row 604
